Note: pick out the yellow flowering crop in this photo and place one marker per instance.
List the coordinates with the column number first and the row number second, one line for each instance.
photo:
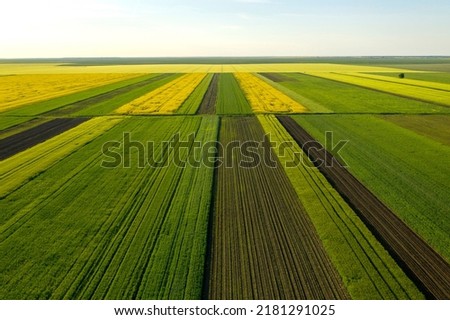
column 18, row 90
column 265, row 98
column 165, row 99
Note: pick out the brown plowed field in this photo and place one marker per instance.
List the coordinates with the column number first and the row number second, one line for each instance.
column 31, row 137
column 424, row 265
column 208, row 105
column 264, row 246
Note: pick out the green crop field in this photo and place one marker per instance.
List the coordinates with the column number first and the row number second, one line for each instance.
column 436, row 77
column 96, row 251
column 162, row 178
column 407, row 171
column 366, row 268
column 408, row 90
column 191, row 105
column 230, row 98
column 322, row 95
column 433, row 126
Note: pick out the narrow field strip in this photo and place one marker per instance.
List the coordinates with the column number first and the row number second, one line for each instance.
column 365, row 266
column 264, row 246
column 192, row 103
column 418, row 93
column 429, row 270
column 29, row 138
column 19, row 90
column 9, row 122
column 108, row 107
column 385, row 157
column 46, row 106
column 322, row 95
column 436, row 127
column 434, row 77
column 265, row 98
column 404, row 81
column 79, row 106
column 208, row 103
column 20, row 168
column 230, row 98
column 143, row 236
column 166, row 99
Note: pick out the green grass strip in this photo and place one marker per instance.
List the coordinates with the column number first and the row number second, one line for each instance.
column 405, row 170
column 192, row 103
column 230, row 98
column 368, row 271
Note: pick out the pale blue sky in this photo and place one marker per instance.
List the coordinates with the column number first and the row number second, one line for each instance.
column 89, row 28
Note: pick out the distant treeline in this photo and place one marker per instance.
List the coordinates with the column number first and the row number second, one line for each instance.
column 381, row 60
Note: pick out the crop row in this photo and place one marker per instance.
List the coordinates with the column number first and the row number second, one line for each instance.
column 324, row 96
column 165, row 99
column 230, row 98
column 367, row 270
column 412, row 182
column 428, row 269
column 82, row 231
column 265, row 98
column 19, row 90
column 439, row 97
column 264, row 244
column 192, row 103
column 18, row 169
column 405, row 81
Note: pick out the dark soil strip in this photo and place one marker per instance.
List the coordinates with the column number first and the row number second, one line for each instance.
column 29, row 138
column 276, row 77
column 264, row 245
column 429, row 270
column 208, row 105
column 80, row 105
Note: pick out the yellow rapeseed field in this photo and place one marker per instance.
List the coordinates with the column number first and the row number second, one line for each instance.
column 165, row 99
column 265, row 98
column 18, row 90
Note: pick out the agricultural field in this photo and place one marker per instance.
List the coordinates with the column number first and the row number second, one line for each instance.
column 94, row 250
column 264, row 98
column 433, row 77
column 218, row 180
column 266, row 246
column 165, row 99
column 230, row 98
column 413, row 89
column 346, row 98
column 399, row 174
column 19, row 90
column 432, row 126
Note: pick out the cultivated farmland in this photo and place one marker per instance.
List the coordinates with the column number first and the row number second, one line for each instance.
column 19, row 90
column 230, row 98
column 190, row 181
column 265, row 98
column 345, row 98
column 165, row 99
column 155, row 251
column 266, row 246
